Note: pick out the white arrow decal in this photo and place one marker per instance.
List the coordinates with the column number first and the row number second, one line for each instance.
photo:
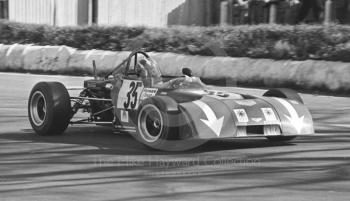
column 212, row 122
column 294, row 118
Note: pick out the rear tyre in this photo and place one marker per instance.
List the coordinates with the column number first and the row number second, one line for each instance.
column 288, row 94
column 49, row 108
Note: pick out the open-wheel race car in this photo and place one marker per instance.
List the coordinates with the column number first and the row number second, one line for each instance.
column 162, row 112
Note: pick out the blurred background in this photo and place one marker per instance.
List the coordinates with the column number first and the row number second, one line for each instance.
column 296, row 35
column 162, row 13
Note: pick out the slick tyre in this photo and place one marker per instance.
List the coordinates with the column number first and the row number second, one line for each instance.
column 155, row 126
column 283, row 93
column 49, row 108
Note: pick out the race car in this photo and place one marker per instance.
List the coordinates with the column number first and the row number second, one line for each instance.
column 162, row 113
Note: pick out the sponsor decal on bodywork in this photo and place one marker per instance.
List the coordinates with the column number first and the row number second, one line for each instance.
column 148, row 92
column 254, row 110
column 269, row 114
column 241, row 115
column 124, row 116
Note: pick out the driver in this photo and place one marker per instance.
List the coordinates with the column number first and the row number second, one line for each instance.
column 151, row 76
column 149, row 72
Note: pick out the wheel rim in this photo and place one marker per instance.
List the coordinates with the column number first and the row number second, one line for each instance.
column 38, row 108
column 150, row 123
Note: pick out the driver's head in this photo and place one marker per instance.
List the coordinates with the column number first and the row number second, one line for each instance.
column 187, row 71
column 152, row 71
column 152, row 67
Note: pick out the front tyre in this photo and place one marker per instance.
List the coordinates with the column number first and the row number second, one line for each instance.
column 288, row 94
column 49, row 108
column 284, row 93
column 155, row 126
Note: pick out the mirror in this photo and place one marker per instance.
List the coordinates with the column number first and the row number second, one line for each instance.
column 187, row 72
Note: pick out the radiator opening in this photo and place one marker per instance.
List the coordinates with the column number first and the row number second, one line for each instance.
column 255, row 129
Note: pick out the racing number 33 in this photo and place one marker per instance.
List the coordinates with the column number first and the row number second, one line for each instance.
column 132, row 95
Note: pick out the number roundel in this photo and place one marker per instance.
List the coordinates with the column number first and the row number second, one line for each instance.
column 132, row 95
column 129, row 94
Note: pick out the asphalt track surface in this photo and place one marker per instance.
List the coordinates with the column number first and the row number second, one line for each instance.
column 95, row 163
